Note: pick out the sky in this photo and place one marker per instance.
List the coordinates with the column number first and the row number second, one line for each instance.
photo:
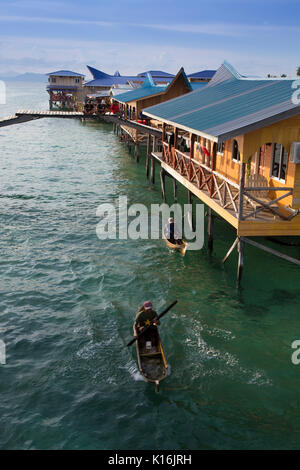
column 256, row 37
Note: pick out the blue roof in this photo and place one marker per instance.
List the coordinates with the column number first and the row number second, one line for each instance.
column 157, row 74
column 229, row 105
column 204, row 74
column 65, row 73
column 148, row 88
column 197, row 85
column 101, row 79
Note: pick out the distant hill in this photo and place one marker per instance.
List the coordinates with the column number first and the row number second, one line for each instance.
column 26, row 77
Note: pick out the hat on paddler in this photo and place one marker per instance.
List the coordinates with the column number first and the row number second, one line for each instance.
column 148, row 305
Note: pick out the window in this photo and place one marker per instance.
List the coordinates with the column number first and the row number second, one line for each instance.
column 279, row 162
column 77, row 80
column 53, row 80
column 235, row 151
column 221, row 147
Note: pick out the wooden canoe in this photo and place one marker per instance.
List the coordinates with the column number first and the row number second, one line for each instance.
column 179, row 247
column 151, row 358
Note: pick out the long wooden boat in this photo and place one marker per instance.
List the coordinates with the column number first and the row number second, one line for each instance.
column 182, row 247
column 151, row 358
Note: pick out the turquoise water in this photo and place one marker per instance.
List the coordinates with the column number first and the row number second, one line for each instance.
column 68, row 299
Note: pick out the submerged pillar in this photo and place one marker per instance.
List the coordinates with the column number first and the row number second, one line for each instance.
column 210, row 230
column 136, row 152
column 240, row 248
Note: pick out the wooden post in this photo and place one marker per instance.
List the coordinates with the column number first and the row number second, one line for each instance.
column 192, row 140
column 230, row 250
column 136, row 152
column 242, row 185
column 213, row 158
column 240, row 248
column 148, row 155
column 163, row 184
column 210, row 230
column 152, row 177
column 175, row 137
column 154, row 144
column 190, row 216
column 175, row 189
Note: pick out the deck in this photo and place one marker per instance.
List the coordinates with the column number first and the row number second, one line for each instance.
column 222, row 195
column 30, row 115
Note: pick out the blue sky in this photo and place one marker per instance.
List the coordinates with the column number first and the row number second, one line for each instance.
column 257, row 37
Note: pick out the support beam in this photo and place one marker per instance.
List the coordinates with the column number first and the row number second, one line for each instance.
column 175, row 189
column 190, row 214
column 152, row 177
column 240, row 249
column 242, row 185
column 136, row 152
column 273, row 252
column 163, row 184
column 148, row 156
column 210, row 230
column 230, row 250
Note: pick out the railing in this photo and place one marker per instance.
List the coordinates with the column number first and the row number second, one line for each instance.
column 227, row 193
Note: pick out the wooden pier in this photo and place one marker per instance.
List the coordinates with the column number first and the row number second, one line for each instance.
column 22, row 116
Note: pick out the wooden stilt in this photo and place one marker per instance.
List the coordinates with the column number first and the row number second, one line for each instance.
column 190, row 216
column 230, row 250
column 175, row 189
column 240, row 248
column 152, row 177
column 163, row 184
column 148, row 155
column 136, row 152
column 210, row 230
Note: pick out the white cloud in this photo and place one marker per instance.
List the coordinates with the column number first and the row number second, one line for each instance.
column 208, row 28
column 25, row 54
column 39, row 19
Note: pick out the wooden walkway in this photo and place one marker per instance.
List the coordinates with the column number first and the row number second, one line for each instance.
column 31, row 115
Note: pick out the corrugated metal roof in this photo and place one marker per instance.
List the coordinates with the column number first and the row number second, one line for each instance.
column 204, row 74
column 148, row 88
column 197, row 85
column 157, row 74
column 65, row 73
column 102, row 79
column 228, row 105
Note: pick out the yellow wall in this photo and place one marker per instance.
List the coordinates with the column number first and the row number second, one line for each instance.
column 284, row 133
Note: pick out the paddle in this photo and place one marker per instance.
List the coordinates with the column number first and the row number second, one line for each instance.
column 145, row 329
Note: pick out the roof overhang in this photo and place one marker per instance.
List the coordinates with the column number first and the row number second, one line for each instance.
column 185, row 128
column 235, row 131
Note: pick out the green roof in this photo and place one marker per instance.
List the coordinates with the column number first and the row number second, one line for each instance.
column 229, row 105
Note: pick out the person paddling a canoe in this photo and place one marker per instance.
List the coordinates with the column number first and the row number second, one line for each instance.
column 144, row 317
column 171, row 233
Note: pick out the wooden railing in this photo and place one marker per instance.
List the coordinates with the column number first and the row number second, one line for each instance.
column 227, row 193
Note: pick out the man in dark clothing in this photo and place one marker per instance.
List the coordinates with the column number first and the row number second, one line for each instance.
column 144, row 317
column 171, row 233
